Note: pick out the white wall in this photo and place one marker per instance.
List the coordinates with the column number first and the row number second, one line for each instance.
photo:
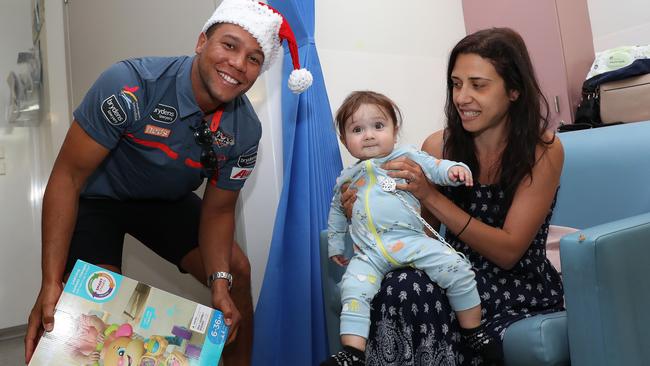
column 619, row 23
column 19, row 189
column 398, row 48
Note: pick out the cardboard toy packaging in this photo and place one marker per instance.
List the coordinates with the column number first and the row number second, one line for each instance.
column 106, row 319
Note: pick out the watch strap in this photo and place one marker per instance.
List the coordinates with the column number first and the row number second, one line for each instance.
column 220, row 275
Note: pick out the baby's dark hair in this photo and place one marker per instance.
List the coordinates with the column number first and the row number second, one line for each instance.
column 357, row 98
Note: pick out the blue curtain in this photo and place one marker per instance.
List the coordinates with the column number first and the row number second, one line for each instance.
column 289, row 318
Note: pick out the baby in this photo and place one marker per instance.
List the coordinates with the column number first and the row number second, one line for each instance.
column 386, row 227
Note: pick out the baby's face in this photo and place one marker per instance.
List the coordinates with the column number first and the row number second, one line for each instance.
column 369, row 133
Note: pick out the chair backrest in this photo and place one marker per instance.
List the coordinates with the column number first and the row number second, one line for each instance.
column 605, row 175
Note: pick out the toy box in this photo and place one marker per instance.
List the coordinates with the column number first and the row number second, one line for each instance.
column 106, row 319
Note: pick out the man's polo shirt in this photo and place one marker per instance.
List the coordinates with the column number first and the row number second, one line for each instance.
column 144, row 111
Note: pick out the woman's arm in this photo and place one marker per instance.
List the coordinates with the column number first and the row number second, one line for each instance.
column 530, row 205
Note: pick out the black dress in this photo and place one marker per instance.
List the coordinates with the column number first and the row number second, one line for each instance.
column 411, row 320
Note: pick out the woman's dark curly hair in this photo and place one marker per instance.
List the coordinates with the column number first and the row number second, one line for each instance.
column 527, row 115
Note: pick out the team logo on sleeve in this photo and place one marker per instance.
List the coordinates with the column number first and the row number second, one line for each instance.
column 222, row 139
column 131, row 100
column 240, row 173
column 113, row 111
column 248, row 159
column 164, row 113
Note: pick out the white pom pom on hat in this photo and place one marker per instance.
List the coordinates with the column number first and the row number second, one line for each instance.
column 269, row 28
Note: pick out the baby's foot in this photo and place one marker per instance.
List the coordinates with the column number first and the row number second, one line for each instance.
column 482, row 343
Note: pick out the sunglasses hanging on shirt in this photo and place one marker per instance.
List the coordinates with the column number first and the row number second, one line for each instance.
column 204, row 137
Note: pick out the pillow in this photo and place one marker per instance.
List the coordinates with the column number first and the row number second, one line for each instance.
column 555, row 233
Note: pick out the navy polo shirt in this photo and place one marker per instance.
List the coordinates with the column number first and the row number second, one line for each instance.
column 144, row 111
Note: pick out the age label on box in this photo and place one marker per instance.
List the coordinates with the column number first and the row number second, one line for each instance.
column 201, row 318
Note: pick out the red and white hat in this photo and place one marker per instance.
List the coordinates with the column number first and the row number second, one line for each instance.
column 269, row 28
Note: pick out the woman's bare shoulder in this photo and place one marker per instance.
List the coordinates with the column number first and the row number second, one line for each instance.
column 434, row 143
column 549, row 156
column 550, row 148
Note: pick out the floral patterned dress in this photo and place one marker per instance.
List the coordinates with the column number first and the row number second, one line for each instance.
column 412, row 322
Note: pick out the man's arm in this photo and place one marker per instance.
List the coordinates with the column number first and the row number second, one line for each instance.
column 78, row 158
column 216, row 238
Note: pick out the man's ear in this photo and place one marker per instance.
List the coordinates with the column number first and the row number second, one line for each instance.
column 513, row 95
column 200, row 43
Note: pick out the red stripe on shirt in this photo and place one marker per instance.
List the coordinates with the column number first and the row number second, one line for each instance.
column 157, row 145
column 193, row 163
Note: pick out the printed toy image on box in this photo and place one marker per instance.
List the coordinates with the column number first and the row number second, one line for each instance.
column 106, row 319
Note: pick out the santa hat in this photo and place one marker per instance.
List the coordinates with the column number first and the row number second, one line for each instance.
column 269, row 28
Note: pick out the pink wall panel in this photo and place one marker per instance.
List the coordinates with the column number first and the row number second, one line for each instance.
column 543, row 29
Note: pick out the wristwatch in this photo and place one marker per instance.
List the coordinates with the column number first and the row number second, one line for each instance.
column 220, row 275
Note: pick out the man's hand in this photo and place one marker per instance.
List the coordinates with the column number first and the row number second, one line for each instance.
column 340, row 260
column 221, row 300
column 42, row 317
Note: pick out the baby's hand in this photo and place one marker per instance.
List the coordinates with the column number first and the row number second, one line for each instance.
column 340, row 260
column 94, row 356
column 459, row 174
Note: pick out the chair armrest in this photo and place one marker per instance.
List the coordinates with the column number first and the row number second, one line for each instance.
column 607, row 292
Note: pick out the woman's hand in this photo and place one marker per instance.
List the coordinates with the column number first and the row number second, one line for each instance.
column 416, row 182
column 348, row 196
column 340, row 260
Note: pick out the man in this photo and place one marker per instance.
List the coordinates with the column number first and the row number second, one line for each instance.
column 143, row 139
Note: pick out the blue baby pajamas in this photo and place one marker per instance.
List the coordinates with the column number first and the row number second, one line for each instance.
column 387, row 235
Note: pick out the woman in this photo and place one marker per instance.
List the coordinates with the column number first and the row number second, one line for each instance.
column 497, row 120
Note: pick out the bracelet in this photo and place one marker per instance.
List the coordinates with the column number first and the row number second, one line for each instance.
column 464, row 227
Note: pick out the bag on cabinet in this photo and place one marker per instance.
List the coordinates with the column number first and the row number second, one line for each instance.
column 618, row 88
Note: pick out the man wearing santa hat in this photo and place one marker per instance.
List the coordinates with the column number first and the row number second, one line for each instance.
column 143, row 139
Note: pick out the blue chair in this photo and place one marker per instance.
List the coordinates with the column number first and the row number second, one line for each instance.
column 605, row 192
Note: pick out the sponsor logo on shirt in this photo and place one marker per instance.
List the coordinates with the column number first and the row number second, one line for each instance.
column 223, row 139
column 113, row 111
column 157, row 131
column 164, row 113
column 240, row 173
column 247, row 160
column 131, row 100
